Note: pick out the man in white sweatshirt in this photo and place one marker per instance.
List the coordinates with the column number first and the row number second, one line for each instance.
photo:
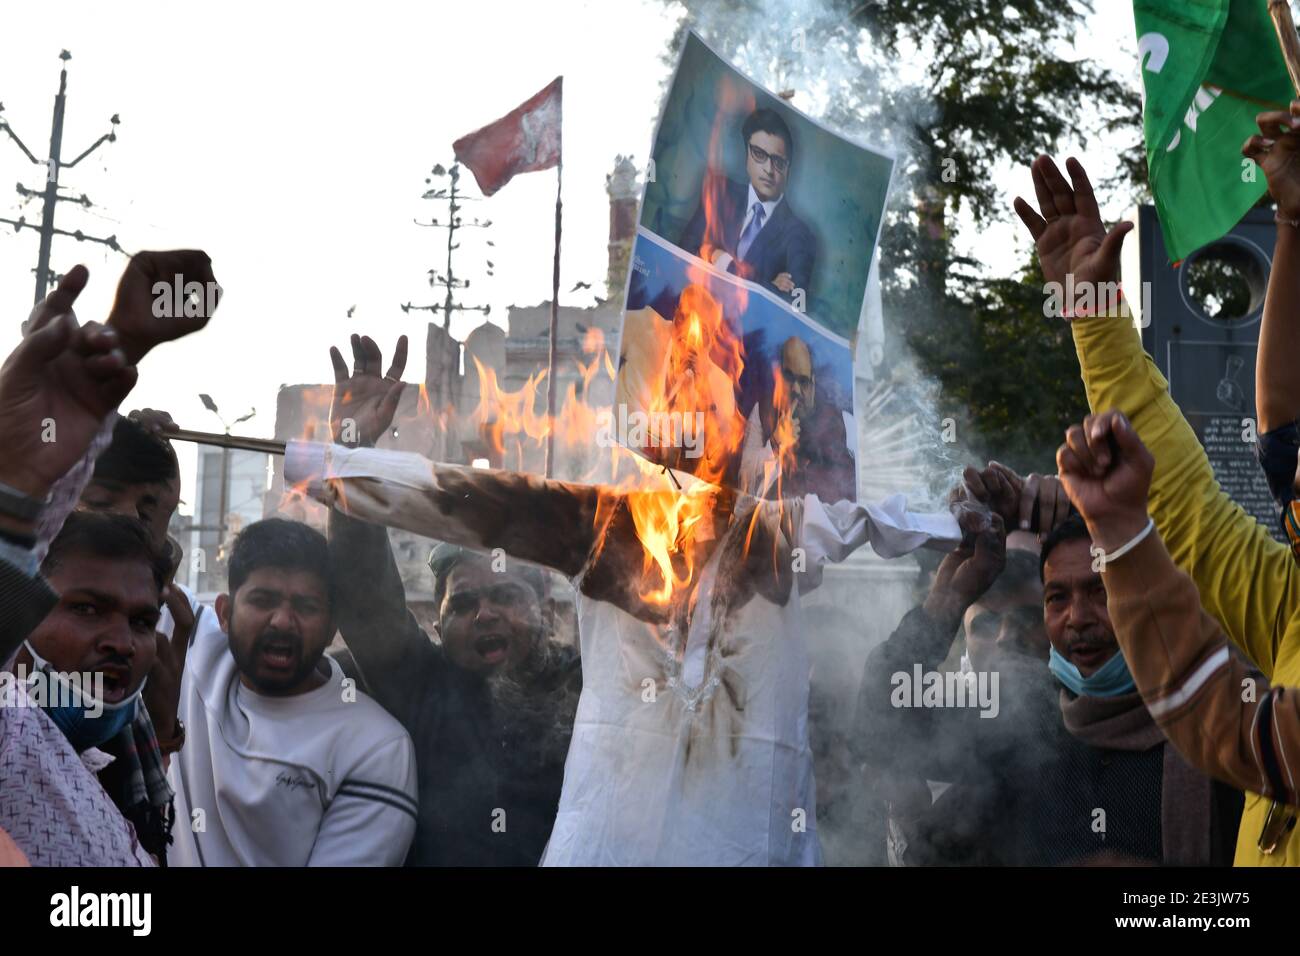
column 285, row 762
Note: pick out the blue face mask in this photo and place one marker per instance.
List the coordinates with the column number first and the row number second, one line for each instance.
column 85, row 721
column 1112, row 679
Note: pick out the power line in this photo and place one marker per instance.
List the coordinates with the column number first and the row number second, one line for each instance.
column 454, row 222
column 50, row 194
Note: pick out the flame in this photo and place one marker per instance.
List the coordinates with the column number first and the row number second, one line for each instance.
column 593, row 341
column 783, row 463
column 703, row 369
column 783, row 433
column 501, row 412
column 666, row 522
column 295, row 503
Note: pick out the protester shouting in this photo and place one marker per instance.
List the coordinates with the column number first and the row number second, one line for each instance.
column 684, row 749
column 1037, row 749
column 490, row 705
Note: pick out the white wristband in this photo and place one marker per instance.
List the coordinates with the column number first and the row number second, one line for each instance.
column 1107, row 558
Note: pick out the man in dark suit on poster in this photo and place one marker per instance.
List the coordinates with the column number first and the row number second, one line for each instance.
column 749, row 229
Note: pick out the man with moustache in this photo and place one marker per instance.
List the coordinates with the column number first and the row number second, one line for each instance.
column 138, row 475
column 1072, row 768
column 75, row 803
column 823, row 465
column 684, row 749
column 285, row 763
column 753, row 232
column 1155, row 806
column 489, row 705
column 58, row 799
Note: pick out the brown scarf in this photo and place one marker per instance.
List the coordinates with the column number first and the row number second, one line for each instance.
column 1123, row 723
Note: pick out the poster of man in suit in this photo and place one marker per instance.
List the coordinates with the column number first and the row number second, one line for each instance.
column 755, row 232
column 754, row 244
column 747, row 183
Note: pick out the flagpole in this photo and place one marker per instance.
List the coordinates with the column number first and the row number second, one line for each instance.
column 1280, row 11
column 555, row 321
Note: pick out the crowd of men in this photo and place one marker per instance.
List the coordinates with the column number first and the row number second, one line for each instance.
column 1143, row 631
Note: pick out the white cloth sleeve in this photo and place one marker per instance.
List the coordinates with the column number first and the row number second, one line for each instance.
column 833, row 532
column 369, row 484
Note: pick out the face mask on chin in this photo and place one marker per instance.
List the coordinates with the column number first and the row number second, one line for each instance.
column 1112, row 679
column 84, row 720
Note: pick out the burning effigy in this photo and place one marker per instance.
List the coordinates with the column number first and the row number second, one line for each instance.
column 690, row 742
column 731, row 481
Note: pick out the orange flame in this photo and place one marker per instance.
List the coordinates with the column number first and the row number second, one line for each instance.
column 703, row 367
column 501, row 412
column 783, row 431
column 698, row 388
column 593, row 341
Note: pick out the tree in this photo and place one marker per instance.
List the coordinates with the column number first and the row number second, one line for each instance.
column 1008, row 373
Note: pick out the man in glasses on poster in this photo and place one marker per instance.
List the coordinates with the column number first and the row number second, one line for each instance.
column 753, row 232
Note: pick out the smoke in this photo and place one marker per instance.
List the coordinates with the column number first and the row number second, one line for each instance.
column 533, row 706
column 910, row 439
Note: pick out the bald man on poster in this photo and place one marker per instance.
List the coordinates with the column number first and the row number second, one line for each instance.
column 820, row 462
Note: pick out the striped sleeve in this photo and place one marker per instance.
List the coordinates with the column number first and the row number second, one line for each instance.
column 1225, row 718
column 25, row 598
column 380, row 793
column 1208, row 534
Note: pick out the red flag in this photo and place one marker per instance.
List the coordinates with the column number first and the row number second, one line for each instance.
column 524, row 140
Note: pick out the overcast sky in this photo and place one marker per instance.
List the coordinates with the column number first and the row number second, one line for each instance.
column 291, row 141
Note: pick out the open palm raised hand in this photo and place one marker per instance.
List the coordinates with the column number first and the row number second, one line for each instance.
column 365, row 400
column 1067, row 229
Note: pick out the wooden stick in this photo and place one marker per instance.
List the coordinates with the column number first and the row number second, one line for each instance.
column 1280, row 11
column 268, row 445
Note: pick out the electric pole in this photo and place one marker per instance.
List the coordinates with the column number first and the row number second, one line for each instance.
column 454, row 222
column 50, row 194
column 224, row 504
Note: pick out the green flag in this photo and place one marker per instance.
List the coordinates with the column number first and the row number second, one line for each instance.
column 1208, row 66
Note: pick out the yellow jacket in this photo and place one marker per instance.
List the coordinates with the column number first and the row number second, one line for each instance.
column 1247, row 580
